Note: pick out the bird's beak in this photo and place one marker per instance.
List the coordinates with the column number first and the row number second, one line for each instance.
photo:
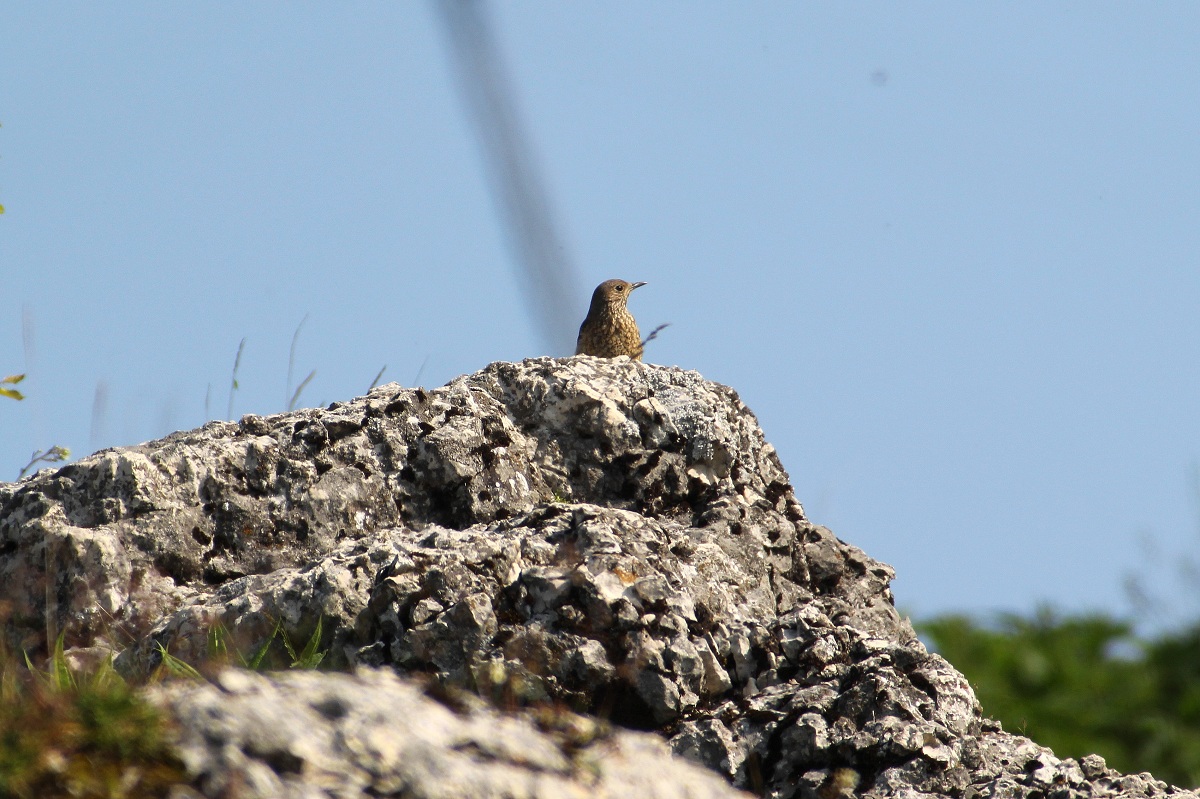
column 637, row 285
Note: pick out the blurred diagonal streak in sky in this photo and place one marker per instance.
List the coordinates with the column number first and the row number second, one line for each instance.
column 546, row 277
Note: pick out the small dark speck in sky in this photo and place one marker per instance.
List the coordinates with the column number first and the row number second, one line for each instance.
column 880, row 77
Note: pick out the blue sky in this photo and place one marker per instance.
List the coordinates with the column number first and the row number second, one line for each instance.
column 947, row 252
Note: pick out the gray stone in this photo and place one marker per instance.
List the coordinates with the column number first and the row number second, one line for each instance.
column 372, row 734
column 608, row 536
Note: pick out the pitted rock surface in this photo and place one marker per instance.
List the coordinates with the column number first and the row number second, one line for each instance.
column 607, row 535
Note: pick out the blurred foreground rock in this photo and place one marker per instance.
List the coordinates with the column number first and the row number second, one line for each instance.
column 311, row 734
column 610, row 537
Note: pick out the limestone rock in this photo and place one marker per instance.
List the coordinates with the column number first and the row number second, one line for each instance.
column 610, row 536
column 308, row 734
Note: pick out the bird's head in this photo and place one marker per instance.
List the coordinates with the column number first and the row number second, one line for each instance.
column 614, row 292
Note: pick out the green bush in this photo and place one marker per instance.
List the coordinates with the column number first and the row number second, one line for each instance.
column 1084, row 684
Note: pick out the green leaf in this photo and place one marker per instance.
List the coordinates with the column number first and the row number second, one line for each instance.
column 310, row 658
column 105, row 677
column 58, row 677
column 176, row 667
column 60, row 672
column 257, row 659
column 218, row 642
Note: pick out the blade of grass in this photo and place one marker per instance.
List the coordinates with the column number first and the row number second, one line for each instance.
column 257, row 659
column 292, row 365
column 296, row 397
column 375, row 382
column 218, row 642
column 60, row 673
column 175, row 667
column 57, row 678
column 233, row 383
column 310, row 658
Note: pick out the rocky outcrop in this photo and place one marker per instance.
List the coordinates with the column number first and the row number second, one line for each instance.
column 611, row 537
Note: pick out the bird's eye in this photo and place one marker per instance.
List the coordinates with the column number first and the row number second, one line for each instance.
column 620, row 288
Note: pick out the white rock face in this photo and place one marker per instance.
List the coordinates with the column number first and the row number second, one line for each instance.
column 602, row 535
column 372, row 734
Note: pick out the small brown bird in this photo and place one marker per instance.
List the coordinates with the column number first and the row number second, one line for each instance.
column 609, row 329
